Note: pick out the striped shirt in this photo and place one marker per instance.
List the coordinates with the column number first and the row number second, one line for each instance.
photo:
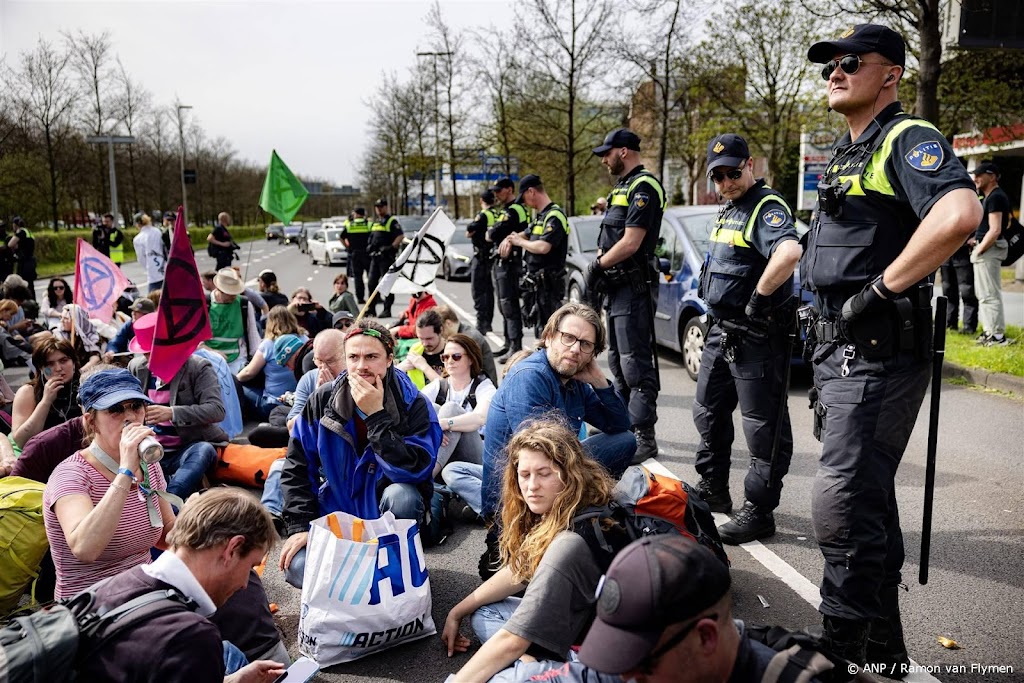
column 131, row 542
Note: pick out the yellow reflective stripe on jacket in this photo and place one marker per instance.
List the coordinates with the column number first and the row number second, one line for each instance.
column 874, row 171
column 519, row 211
column 729, row 236
column 538, row 227
column 749, row 229
column 620, row 195
column 382, row 227
column 357, row 226
column 490, row 216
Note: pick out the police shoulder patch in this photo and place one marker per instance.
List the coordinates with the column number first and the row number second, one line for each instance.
column 641, row 199
column 774, row 217
column 926, row 156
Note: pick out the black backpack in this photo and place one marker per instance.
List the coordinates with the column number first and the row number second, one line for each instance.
column 802, row 657
column 442, row 393
column 1014, row 236
column 45, row 646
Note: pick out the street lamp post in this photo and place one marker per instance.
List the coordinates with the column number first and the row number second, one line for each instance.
column 437, row 127
column 110, row 141
column 181, row 141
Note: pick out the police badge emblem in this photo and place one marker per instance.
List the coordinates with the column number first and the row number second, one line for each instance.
column 641, row 199
column 926, row 156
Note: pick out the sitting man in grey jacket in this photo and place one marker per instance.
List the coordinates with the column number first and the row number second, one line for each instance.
column 185, row 413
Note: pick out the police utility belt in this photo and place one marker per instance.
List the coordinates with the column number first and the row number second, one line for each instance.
column 629, row 273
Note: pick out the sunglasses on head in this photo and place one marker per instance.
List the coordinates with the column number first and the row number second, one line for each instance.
column 850, row 64
column 719, row 175
column 445, row 357
column 120, row 408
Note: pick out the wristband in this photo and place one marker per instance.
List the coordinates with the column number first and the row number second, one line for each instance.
column 886, row 293
column 126, row 472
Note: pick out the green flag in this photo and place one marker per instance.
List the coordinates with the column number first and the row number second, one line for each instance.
column 282, row 194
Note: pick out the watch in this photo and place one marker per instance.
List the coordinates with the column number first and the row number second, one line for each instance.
column 451, row 423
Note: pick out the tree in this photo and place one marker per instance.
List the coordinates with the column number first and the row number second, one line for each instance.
column 133, row 105
column 447, row 46
column 500, row 73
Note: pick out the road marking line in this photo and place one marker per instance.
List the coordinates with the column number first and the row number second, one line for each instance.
column 800, row 584
column 463, row 314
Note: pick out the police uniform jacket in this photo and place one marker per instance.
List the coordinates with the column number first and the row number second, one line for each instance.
column 638, row 200
column 897, row 169
column 383, row 233
column 514, row 218
column 357, row 232
column 550, row 226
column 477, row 231
column 745, row 236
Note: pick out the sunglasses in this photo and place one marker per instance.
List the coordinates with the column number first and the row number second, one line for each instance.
column 850, row 64
column 120, row 408
column 56, row 287
column 445, row 357
column 732, row 174
column 344, row 324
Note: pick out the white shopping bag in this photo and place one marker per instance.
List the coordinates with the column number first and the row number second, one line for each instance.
column 359, row 598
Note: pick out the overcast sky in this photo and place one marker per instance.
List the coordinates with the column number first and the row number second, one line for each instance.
column 286, row 74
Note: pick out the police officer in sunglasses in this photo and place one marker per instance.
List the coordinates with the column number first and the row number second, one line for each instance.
column 893, row 204
column 747, row 283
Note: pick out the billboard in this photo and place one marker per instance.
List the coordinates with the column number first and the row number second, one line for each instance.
column 815, row 151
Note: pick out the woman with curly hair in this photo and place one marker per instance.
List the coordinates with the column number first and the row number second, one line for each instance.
column 58, row 294
column 548, row 480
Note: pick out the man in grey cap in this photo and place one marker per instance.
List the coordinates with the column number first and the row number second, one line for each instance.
column 119, row 344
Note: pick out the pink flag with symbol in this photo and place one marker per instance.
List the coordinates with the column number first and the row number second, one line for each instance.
column 98, row 282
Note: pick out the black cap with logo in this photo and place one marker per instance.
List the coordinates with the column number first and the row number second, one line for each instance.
column 860, row 39
column 727, row 149
column 620, row 137
column 503, row 184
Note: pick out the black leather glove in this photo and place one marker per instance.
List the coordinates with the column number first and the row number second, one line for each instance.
column 759, row 307
column 592, row 275
column 865, row 299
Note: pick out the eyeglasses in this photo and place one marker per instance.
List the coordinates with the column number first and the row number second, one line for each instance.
column 651, row 660
column 569, row 339
column 445, row 357
column 120, row 408
column 850, row 64
column 720, row 175
column 344, row 324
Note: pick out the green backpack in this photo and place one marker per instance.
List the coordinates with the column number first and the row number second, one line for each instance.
column 22, row 538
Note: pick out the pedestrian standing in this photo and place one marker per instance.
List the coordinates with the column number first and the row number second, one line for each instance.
column 893, row 204
column 747, row 283
column 6, row 253
column 958, row 285
column 385, row 237
column 627, row 271
column 480, row 268
column 508, row 268
column 221, row 245
column 355, row 233
column 116, row 243
column 101, row 234
column 149, row 252
column 989, row 248
column 23, row 244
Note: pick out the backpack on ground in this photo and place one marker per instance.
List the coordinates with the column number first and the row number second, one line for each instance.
column 438, row 526
column 245, row 464
column 1014, row 236
column 23, row 540
column 801, row 657
column 43, row 647
column 645, row 504
column 442, row 392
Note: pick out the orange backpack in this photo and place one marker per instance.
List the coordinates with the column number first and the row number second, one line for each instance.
column 245, row 465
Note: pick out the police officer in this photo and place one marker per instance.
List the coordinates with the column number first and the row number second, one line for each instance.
column 355, row 233
column 893, row 204
column 746, row 282
column 116, row 243
column 101, row 234
column 480, row 268
column 625, row 271
column 385, row 237
column 508, row 267
column 546, row 244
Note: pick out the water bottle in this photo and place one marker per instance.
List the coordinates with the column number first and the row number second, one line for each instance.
column 150, row 450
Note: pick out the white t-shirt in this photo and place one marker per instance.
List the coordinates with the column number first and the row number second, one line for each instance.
column 484, row 392
column 149, row 251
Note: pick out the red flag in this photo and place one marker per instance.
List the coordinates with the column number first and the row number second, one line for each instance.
column 183, row 321
column 98, row 282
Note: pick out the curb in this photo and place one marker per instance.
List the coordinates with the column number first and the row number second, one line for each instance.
column 990, row 380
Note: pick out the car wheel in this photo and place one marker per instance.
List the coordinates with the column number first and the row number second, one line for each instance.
column 575, row 293
column 312, row 258
column 692, row 343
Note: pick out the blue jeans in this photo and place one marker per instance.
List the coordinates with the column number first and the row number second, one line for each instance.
column 185, row 468
column 234, row 659
column 404, row 502
column 273, row 498
column 257, row 401
column 465, row 479
column 489, row 619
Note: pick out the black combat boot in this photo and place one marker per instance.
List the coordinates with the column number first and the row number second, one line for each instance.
column 751, row 523
column 885, row 637
column 715, row 493
column 646, row 446
column 847, row 638
column 509, row 351
column 490, row 561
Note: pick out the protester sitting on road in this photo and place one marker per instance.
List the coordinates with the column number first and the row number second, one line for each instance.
column 101, row 507
column 562, row 375
column 418, row 303
column 51, row 397
column 17, row 290
column 664, row 615
column 311, row 315
column 395, row 435
column 232, row 321
column 119, row 344
column 14, row 348
column 452, row 325
column 342, row 299
column 548, row 480
column 423, row 362
column 219, row 538
column 250, row 294
column 269, row 289
column 58, row 293
column 85, row 339
column 185, row 412
column 279, row 379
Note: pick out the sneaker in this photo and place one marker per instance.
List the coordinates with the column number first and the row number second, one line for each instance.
column 983, row 338
column 716, row 495
column 751, row 523
column 490, row 561
column 1001, row 340
column 646, row 445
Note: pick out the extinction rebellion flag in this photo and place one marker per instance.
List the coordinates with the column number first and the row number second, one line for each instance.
column 98, row 282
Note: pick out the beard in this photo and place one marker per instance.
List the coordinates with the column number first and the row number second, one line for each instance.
column 616, row 166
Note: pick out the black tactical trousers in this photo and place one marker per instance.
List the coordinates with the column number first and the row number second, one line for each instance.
column 868, row 416
column 957, row 285
column 755, row 381
column 358, row 265
column 630, row 322
column 378, row 267
column 483, row 292
column 543, row 296
column 506, row 279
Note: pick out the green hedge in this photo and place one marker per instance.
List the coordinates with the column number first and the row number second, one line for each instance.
column 59, row 247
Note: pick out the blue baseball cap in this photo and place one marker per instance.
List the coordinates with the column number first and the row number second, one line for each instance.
column 285, row 347
column 107, row 388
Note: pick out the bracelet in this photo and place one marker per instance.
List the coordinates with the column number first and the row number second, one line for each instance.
column 126, row 472
column 126, row 489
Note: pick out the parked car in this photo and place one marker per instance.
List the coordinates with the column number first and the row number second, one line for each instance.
column 302, row 239
column 275, row 231
column 410, row 224
column 455, row 264
column 325, row 246
column 291, row 233
column 583, row 232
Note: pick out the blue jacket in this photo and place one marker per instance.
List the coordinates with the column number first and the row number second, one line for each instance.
column 323, row 473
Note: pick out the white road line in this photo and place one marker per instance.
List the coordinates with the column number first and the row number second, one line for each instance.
column 463, row 314
column 800, row 584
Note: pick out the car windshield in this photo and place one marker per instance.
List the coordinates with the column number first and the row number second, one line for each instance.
column 411, row 224
column 459, row 237
column 588, row 230
column 334, row 235
column 699, row 227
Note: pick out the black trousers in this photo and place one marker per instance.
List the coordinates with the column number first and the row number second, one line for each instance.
column 957, row 286
column 507, row 273
column 540, row 302
column 358, row 265
column 630, row 322
column 483, row 292
column 756, row 382
column 868, row 418
column 378, row 267
column 225, row 257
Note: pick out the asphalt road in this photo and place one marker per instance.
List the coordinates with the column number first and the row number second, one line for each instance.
column 975, row 594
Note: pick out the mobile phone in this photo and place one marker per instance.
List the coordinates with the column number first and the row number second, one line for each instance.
column 301, row 670
column 307, row 308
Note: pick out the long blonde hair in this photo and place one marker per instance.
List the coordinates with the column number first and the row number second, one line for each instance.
column 525, row 536
column 281, row 321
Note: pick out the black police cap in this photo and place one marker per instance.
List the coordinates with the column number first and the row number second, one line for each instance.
column 503, row 184
column 860, row 39
column 986, row 167
column 359, row 211
column 620, row 137
column 727, row 149
column 532, row 180
column 381, row 202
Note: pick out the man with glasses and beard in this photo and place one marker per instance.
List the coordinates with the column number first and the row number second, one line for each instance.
column 746, row 282
column 562, row 376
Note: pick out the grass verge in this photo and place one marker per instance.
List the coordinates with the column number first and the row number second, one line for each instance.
column 962, row 350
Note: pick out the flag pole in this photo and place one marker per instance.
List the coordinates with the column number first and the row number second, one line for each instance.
column 369, row 302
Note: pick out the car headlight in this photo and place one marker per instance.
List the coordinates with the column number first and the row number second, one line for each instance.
column 460, row 257
column 336, row 250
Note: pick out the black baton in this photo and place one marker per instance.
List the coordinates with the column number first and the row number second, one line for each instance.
column 939, row 352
